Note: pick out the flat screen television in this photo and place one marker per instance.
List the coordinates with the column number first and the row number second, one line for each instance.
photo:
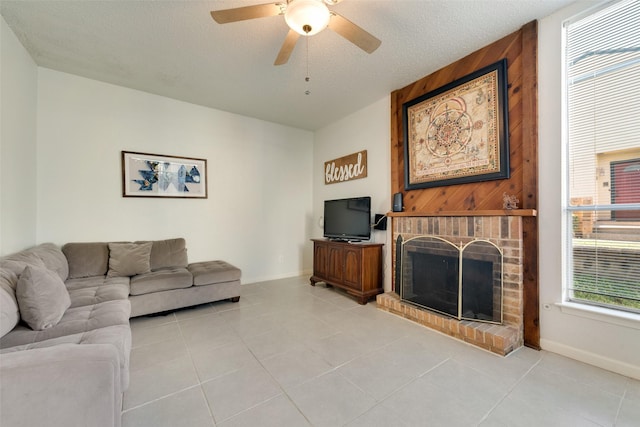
column 348, row 219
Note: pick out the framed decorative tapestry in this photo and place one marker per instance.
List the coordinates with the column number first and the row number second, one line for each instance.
column 458, row 133
column 156, row 175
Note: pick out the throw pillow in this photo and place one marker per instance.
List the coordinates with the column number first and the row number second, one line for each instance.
column 42, row 297
column 9, row 311
column 129, row 259
column 168, row 253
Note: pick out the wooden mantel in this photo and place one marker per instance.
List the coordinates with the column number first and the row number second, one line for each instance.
column 494, row 212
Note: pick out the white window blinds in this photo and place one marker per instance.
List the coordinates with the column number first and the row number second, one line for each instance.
column 602, row 71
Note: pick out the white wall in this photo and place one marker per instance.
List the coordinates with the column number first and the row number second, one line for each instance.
column 259, row 176
column 367, row 129
column 596, row 338
column 18, row 98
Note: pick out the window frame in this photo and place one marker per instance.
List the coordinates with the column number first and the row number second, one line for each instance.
column 570, row 305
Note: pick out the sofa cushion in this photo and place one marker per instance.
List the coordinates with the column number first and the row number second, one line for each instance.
column 208, row 272
column 129, row 259
column 42, row 297
column 92, row 282
column 160, row 280
column 9, row 312
column 97, row 294
column 75, row 320
column 168, row 253
column 86, row 259
column 53, row 259
column 118, row 336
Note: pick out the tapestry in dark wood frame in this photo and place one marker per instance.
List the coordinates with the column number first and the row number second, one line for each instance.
column 458, row 133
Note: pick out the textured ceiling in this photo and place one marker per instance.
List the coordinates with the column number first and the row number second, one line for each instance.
column 175, row 49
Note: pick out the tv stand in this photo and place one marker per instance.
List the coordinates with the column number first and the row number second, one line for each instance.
column 354, row 268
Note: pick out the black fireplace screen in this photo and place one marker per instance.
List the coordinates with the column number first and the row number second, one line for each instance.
column 431, row 277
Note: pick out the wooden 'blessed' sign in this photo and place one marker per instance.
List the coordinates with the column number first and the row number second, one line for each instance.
column 353, row 166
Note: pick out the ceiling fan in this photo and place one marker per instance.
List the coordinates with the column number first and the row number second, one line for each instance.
column 304, row 17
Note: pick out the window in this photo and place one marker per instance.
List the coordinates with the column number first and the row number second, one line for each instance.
column 602, row 188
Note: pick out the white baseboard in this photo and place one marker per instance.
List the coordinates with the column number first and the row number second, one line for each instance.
column 594, row 359
column 276, row 277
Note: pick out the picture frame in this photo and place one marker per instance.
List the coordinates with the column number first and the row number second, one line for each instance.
column 158, row 175
column 458, row 133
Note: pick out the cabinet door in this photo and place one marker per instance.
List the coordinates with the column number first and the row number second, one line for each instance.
column 320, row 259
column 353, row 268
column 335, row 263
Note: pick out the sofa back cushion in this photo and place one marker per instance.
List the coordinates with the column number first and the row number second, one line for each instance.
column 46, row 255
column 53, row 258
column 18, row 261
column 169, row 253
column 87, row 259
column 129, row 259
column 9, row 312
column 42, row 297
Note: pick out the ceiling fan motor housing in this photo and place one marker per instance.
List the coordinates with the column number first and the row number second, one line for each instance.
column 307, row 17
column 304, row 17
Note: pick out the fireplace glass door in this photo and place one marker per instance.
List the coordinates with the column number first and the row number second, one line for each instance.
column 462, row 282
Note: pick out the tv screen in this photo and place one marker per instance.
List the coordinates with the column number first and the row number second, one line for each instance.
column 348, row 219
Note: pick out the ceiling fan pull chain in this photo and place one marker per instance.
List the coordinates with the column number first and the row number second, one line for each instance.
column 307, row 78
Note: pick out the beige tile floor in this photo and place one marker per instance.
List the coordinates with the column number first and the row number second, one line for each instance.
column 289, row 354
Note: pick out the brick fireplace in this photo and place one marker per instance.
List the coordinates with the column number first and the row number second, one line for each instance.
column 502, row 228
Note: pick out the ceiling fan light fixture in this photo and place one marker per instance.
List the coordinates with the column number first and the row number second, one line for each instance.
column 307, row 17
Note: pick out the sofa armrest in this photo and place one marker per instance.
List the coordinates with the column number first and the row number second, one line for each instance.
column 65, row 385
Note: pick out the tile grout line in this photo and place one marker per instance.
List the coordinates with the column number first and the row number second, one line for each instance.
column 159, row 398
column 624, row 395
column 284, row 392
column 378, row 402
column 213, row 419
column 149, row 327
column 200, row 382
column 509, row 390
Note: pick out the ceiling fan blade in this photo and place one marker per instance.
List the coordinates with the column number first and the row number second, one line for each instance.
column 287, row 47
column 353, row 33
column 247, row 12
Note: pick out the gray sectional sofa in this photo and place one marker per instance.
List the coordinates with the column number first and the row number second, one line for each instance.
column 65, row 338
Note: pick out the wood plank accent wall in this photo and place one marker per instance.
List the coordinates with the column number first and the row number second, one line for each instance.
column 520, row 49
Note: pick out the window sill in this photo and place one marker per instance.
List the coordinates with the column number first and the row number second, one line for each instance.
column 615, row 317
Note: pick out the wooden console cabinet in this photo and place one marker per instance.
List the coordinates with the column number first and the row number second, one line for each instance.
column 354, row 267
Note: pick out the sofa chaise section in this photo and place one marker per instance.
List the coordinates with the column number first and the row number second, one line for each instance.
column 209, row 281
